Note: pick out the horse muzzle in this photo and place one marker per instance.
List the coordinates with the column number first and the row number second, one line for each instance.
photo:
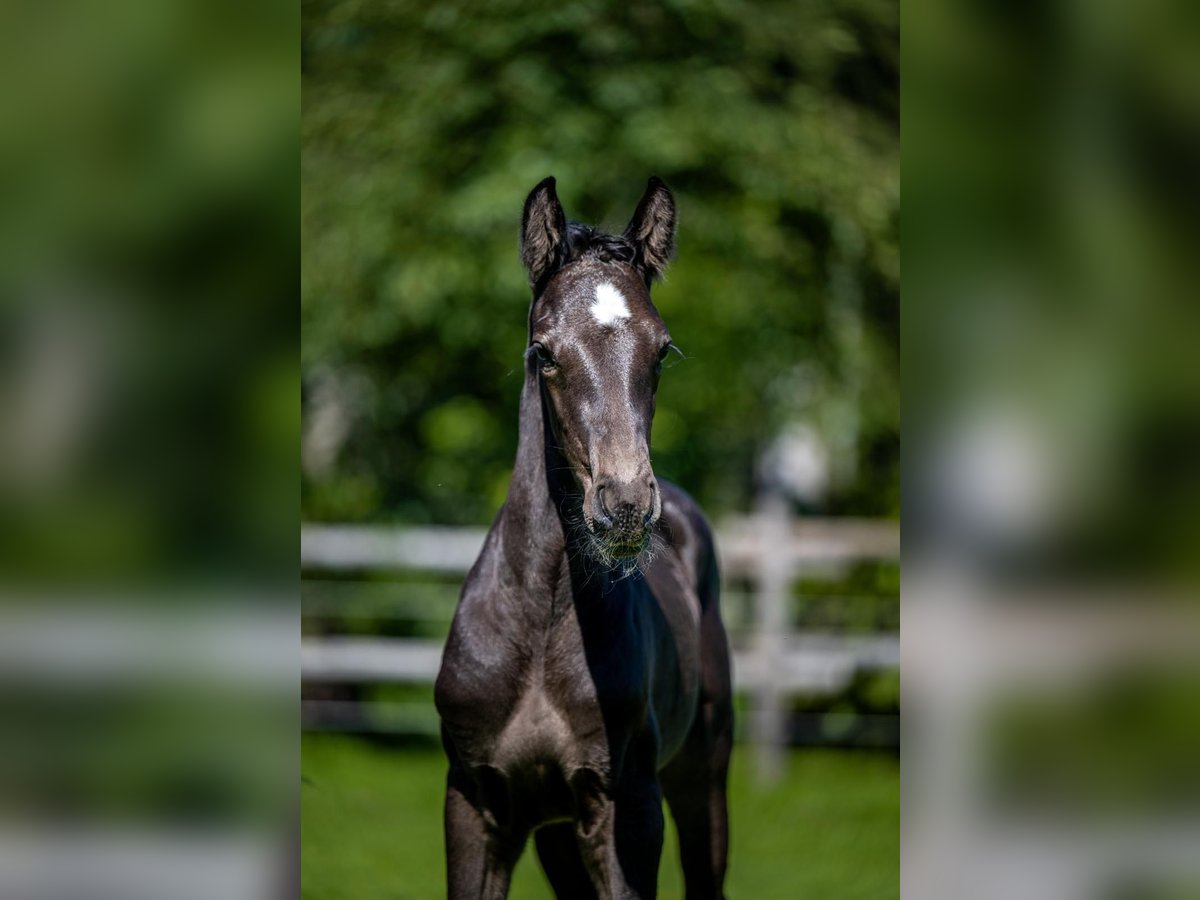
column 624, row 514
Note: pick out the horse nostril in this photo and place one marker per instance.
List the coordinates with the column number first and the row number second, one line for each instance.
column 650, row 513
column 603, row 513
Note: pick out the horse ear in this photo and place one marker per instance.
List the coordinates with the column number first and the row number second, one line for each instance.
column 652, row 229
column 543, row 232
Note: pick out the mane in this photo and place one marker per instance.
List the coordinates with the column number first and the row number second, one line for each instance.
column 587, row 241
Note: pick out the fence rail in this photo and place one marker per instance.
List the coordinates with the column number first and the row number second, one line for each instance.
column 808, row 662
column 768, row 548
column 740, row 542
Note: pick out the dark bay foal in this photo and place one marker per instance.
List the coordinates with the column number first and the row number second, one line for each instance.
column 586, row 676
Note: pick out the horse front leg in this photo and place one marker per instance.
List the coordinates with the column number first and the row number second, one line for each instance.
column 479, row 855
column 620, row 836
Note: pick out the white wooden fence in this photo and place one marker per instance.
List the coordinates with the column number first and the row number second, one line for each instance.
column 769, row 549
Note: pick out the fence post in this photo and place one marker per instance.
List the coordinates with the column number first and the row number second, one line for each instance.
column 774, row 576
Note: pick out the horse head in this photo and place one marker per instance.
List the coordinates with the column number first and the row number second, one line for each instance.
column 596, row 348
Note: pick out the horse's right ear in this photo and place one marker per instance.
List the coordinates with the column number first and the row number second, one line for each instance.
column 544, row 245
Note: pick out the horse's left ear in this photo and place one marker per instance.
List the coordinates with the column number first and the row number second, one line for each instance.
column 652, row 229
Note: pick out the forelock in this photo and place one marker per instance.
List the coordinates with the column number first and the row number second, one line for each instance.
column 587, row 241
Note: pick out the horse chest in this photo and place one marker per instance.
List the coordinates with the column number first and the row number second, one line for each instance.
column 546, row 727
column 542, row 699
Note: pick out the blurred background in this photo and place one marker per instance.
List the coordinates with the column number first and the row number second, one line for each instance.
column 149, row 422
column 777, row 127
column 1051, row 486
column 149, row 263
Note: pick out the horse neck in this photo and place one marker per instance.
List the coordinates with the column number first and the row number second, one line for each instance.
column 537, row 541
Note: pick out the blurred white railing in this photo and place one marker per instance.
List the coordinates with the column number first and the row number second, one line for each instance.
column 768, row 549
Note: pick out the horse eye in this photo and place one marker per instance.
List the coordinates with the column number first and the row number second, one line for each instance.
column 545, row 360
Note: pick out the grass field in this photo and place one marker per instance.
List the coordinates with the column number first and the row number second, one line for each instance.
column 372, row 828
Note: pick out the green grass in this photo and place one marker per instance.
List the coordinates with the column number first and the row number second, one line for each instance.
column 372, row 827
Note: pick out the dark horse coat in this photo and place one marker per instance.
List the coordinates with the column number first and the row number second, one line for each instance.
column 586, row 676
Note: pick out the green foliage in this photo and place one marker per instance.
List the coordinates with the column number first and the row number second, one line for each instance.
column 371, row 821
column 864, row 599
column 424, row 126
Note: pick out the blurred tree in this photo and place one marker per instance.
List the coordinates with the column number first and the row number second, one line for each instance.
column 777, row 126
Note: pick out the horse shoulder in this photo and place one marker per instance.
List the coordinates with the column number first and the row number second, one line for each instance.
column 483, row 659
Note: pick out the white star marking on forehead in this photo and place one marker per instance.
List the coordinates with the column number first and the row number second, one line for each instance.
column 609, row 306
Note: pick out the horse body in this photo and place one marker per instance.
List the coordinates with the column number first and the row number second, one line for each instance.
column 587, row 671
